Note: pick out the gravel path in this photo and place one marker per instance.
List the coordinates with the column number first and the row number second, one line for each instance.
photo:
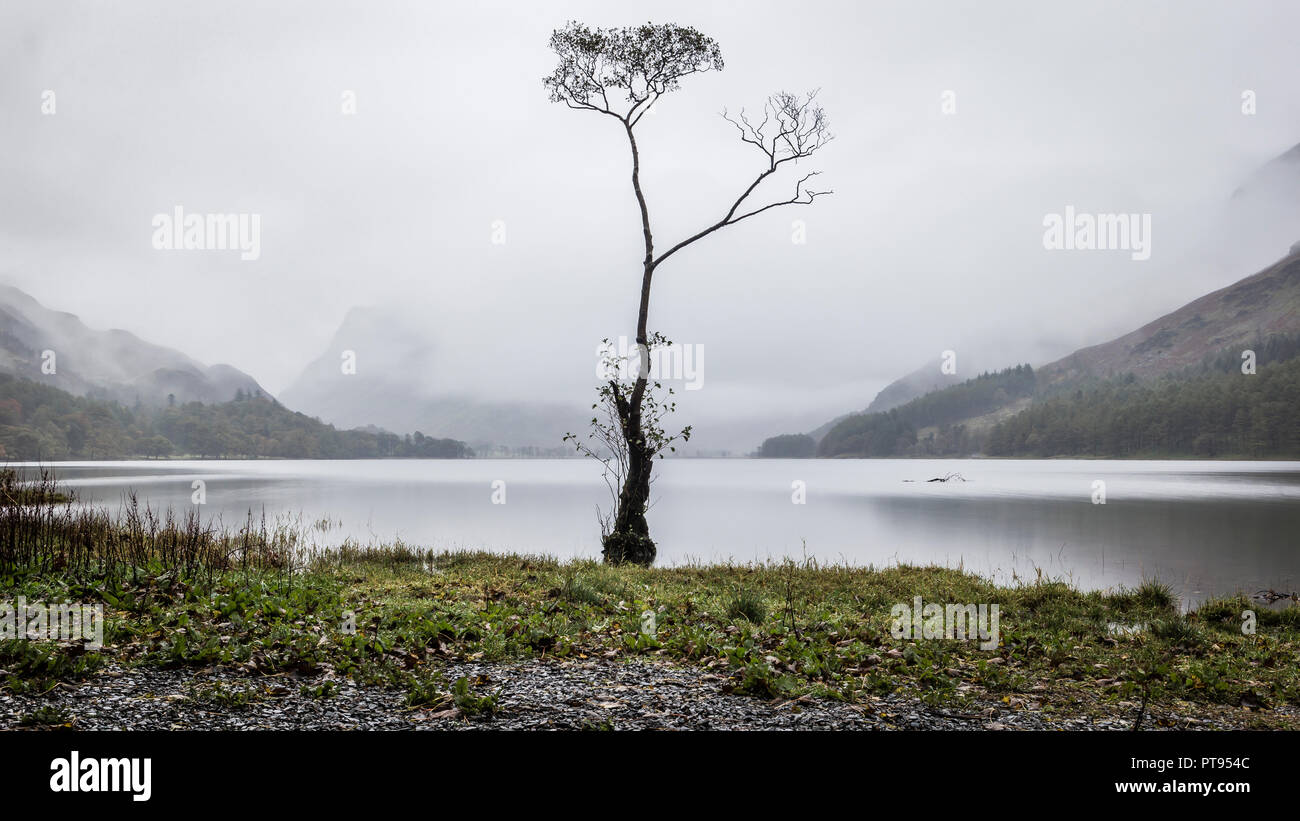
column 569, row 695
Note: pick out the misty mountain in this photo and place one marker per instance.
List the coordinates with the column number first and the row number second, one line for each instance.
column 380, row 369
column 1260, row 311
column 39, row 422
column 112, row 364
column 934, row 424
column 1262, row 215
column 1210, row 410
column 1279, row 176
column 925, row 379
column 1254, row 308
column 917, row 383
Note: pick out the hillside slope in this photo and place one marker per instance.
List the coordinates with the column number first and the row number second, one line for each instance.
column 112, row 364
column 1261, row 305
column 39, row 422
column 1260, row 312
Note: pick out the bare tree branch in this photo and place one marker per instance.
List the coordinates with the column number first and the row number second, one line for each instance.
column 802, row 129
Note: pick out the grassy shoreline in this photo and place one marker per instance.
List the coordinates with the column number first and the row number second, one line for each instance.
column 776, row 631
column 255, row 602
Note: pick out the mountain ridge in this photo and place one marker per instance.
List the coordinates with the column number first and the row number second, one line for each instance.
column 1261, row 304
column 110, row 364
column 1264, row 305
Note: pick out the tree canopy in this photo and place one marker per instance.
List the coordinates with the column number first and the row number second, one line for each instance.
column 642, row 62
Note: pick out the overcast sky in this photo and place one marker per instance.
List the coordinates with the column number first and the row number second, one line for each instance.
column 933, row 239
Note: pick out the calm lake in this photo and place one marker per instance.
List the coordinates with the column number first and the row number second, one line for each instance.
column 1203, row 527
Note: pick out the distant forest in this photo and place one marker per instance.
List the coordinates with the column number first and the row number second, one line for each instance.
column 894, row 432
column 788, row 446
column 38, row 422
column 1210, row 410
column 1209, row 414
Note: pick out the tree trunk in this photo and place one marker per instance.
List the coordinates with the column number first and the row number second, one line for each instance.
column 629, row 540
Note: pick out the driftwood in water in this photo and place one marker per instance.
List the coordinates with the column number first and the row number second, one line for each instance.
column 1272, row 596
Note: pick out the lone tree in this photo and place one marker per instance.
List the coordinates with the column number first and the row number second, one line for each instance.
column 620, row 73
